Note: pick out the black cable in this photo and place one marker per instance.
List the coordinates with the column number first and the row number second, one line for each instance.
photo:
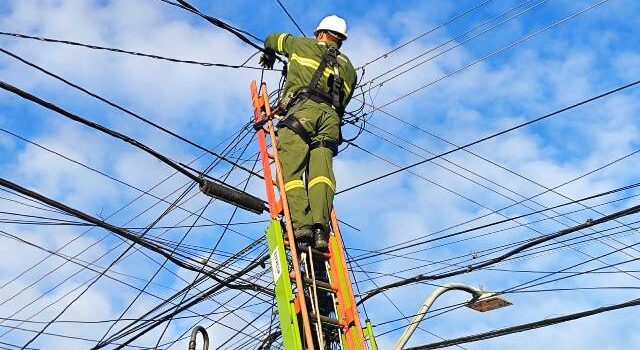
column 166, row 260
column 493, row 53
column 235, row 210
column 484, row 186
column 87, row 267
column 107, row 252
column 458, row 44
column 123, row 233
column 396, row 248
column 221, row 320
column 143, row 321
column 241, row 34
column 125, row 110
column 172, row 204
column 130, row 319
column 57, row 335
column 195, row 300
column 488, row 251
column 99, row 127
column 527, row 326
column 519, row 288
column 515, row 251
column 134, row 53
column 575, row 105
column 83, row 264
column 449, row 21
column 145, row 192
column 291, row 17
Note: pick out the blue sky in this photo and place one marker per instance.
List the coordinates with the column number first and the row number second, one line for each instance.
column 584, row 56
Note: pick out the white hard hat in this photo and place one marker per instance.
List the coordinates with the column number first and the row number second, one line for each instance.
column 334, row 24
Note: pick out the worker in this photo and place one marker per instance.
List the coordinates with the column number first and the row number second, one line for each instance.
column 319, row 85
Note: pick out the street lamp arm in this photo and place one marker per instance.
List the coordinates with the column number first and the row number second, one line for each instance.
column 426, row 305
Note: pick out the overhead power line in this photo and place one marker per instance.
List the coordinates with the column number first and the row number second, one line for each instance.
column 125, row 234
column 240, row 33
column 190, row 303
column 449, row 21
column 133, row 238
column 197, row 179
column 127, row 111
column 493, row 261
column 453, row 40
column 491, row 54
column 128, row 52
column 526, row 326
column 494, row 135
column 110, row 132
column 290, row 17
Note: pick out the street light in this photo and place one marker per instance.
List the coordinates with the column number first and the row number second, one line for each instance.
column 480, row 301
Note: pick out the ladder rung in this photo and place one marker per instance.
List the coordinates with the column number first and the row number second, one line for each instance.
column 326, row 320
column 320, row 284
column 315, row 252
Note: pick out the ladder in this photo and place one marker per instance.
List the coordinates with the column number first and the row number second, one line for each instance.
column 314, row 297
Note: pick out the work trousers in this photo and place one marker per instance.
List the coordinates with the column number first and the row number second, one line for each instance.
column 309, row 203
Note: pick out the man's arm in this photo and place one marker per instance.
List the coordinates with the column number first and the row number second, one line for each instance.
column 281, row 43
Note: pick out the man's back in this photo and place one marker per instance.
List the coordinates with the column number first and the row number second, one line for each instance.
column 305, row 55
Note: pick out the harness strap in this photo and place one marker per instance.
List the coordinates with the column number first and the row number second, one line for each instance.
column 329, row 58
column 332, row 145
column 294, row 125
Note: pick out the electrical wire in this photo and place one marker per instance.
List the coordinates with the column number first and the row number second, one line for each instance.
column 481, row 205
column 459, row 44
column 495, row 52
column 134, row 53
column 528, row 326
column 449, row 21
column 123, row 109
column 290, row 17
column 489, row 262
column 494, row 135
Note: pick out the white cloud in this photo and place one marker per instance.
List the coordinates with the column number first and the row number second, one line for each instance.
column 209, row 103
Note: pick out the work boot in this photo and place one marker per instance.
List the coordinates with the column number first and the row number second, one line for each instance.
column 303, row 236
column 320, row 237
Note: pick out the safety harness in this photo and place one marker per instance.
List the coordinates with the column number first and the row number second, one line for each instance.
column 314, row 93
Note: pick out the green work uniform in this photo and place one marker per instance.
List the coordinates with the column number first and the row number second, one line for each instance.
column 309, row 203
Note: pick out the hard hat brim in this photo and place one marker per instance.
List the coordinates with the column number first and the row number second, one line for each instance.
column 340, row 36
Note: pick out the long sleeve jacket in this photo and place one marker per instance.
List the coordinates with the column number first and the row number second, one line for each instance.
column 304, row 56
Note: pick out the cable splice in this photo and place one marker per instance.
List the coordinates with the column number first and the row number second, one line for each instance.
column 229, row 194
column 128, row 235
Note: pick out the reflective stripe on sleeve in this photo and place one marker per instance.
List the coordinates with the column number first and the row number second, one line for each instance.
column 293, row 184
column 281, row 41
column 322, row 179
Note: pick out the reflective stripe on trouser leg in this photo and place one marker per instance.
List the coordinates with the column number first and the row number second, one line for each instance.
column 293, row 153
column 321, row 185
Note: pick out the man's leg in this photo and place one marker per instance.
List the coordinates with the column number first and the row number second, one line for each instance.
column 322, row 183
column 293, row 153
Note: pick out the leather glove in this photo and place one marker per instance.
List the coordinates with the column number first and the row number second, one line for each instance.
column 268, row 59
